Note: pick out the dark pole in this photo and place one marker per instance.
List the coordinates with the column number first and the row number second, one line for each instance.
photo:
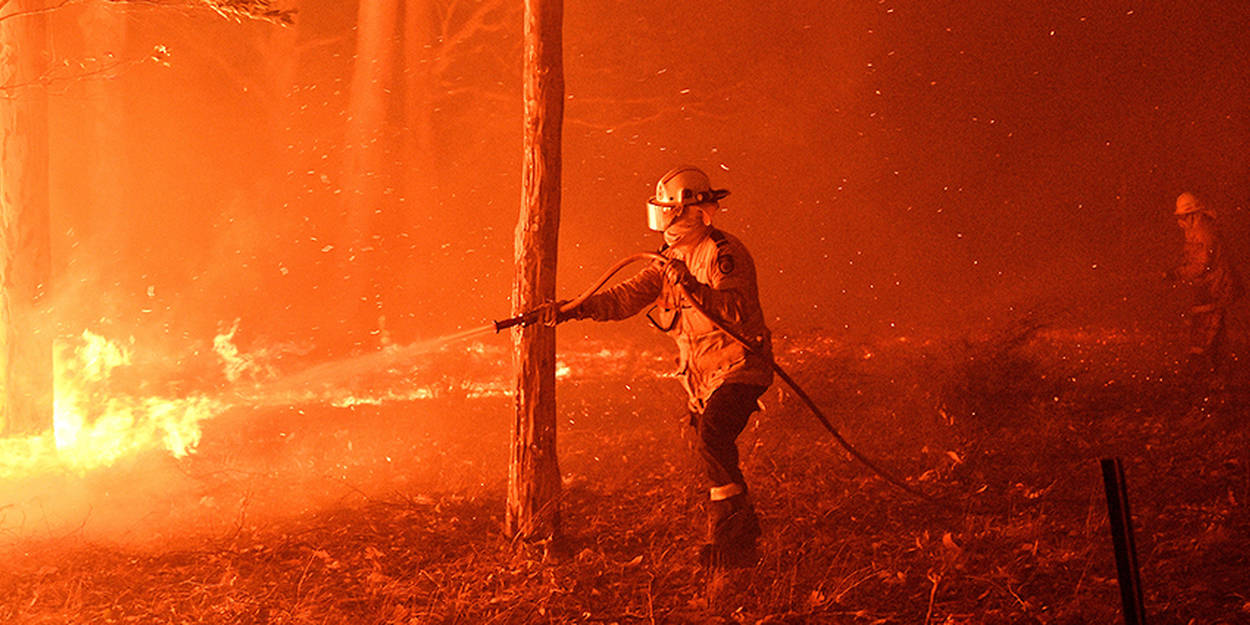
column 1122, row 538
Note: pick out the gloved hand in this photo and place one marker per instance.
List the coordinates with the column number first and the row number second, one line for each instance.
column 676, row 272
column 549, row 314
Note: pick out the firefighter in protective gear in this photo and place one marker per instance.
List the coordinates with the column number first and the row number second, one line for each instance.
column 1215, row 285
column 722, row 378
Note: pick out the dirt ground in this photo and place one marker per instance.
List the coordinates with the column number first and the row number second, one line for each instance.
column 392, row 513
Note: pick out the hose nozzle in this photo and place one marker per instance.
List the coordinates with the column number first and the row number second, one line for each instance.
column 519, row 320
column 535, row 315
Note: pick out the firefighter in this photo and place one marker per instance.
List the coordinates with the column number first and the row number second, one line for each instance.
column 723, row 379
column 1214, row 283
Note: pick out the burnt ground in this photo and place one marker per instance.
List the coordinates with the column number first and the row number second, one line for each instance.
column 393, row 513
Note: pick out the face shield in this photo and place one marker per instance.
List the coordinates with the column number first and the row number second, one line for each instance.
column 661, row 216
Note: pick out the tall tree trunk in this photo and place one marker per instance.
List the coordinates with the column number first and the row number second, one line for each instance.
column 283, row 56
column 282, row 59
column 420, row 38
column 25, row 240
column 105, row 145
column 534, row 473
column 418, row 152
column 367, row 170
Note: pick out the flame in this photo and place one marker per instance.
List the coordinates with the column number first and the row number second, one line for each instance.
column 98, row 419
column 94, row 425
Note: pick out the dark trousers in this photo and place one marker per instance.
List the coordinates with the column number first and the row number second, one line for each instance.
column 723, row 419
column 1207, row 336
column 732, row 523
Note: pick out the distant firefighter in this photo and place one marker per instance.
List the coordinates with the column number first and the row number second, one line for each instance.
column 1205, row 268
column 723, row 380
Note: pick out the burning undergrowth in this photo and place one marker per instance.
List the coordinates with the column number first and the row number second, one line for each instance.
column 128, row 452
column 99, row 418
column 1016, row 532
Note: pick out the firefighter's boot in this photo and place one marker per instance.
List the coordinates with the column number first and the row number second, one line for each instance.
column 733, row 529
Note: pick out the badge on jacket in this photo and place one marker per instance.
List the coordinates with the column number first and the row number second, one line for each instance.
column 725, row 264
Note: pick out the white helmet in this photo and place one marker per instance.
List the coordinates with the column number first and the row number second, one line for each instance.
column 679, row 188
column 1187, row 203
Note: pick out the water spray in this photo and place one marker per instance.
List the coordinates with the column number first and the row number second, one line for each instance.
column 534, row 316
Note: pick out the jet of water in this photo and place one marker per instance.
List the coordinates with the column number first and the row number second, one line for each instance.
column 316, row 383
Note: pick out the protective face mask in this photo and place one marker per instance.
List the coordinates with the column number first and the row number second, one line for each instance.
column 689, row 227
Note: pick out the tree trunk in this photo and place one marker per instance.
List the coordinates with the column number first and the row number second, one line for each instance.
column 104, row 141
column 367, row 170
column 25, row 239
column 534, row 473
column 283, row 56
column 420, row 38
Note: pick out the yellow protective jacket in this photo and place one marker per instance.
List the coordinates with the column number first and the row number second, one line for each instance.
column 708, row 356
column 1206, row 267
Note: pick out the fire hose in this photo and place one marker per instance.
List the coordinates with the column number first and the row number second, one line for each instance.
column 535, row 315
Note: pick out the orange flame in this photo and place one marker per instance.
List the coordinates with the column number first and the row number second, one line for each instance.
column 97, row 422
column 94, row 426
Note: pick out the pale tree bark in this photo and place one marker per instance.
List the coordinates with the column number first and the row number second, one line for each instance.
column 366, row 167
column 105, row 146
column 534, row 473
column 367, row 170
column 420, row 92
column 25, row 240
column 283, row 57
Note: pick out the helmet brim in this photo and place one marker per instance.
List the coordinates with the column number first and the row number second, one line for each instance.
column 703, row 197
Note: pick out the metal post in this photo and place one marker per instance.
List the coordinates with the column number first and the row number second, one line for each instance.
column 1122, row 538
